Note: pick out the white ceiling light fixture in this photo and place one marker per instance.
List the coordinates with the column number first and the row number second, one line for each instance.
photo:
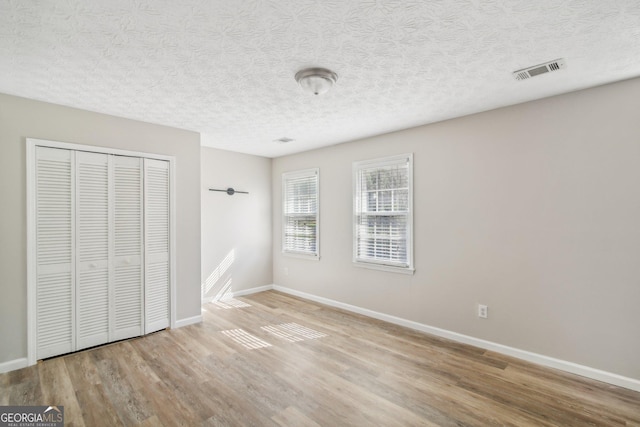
column 316, row 80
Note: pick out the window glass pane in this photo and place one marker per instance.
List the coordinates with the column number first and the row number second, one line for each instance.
column 300, row 195
column 382, row 237
column 401, row 200
column 385, row 201
column 300, row 234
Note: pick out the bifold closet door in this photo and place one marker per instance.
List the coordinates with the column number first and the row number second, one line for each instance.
column 93, row 243
column 156, row 237
column 128, row 282
column 54, row 252
column 102, row 252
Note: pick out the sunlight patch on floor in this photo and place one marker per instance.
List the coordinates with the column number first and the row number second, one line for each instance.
column 293, row 332
column 274, row 330
column 245, row 339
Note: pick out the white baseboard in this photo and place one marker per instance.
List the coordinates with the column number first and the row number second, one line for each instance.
column 239, row 293
column 244, row 292
column 188, row 321
column 563, row 365
column 13, row 365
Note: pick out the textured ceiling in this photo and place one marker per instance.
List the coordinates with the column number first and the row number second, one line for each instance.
column 225, row 68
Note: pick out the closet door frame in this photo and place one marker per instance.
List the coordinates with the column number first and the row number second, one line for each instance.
column 31, row 144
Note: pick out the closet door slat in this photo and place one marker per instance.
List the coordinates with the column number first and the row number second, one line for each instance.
column 55, row 299
column 92, row 242
column 156, row 197
column 128, row 283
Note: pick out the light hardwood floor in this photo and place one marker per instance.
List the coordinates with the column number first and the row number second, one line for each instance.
column 320, row 366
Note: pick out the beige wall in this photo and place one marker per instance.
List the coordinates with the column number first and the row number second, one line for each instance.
column 533, row 210
column 20, row 119
column 236, row 230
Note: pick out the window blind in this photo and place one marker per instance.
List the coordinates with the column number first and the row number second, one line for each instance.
column 300, row 212
column 382, row 211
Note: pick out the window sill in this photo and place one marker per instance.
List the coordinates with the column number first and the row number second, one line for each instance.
column 383, row 267
column 310, row 257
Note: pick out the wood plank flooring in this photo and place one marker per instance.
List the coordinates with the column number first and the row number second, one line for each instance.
column 271, row 359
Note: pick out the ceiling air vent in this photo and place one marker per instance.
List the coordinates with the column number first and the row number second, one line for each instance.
column 283, row 140
column 536, row 70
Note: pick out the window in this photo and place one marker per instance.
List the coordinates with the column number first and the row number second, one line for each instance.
column 382, row 212
column 300, row 213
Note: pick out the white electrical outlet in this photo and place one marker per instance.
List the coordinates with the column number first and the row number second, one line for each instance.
column 286, row 271
column 483, row 311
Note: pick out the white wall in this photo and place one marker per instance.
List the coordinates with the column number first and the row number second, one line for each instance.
column 21, row 118
column 236, row 230
column 533, row 210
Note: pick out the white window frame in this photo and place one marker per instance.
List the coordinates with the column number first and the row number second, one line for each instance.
column 285, row 178
column 408, row 267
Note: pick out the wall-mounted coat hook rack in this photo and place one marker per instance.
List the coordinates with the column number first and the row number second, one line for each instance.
column 230, row 191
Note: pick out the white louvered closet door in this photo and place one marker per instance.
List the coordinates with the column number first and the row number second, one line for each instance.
column 128, row 283
column 101, row 245
column 54, row 219
column 156, row 220
column 92, row 249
